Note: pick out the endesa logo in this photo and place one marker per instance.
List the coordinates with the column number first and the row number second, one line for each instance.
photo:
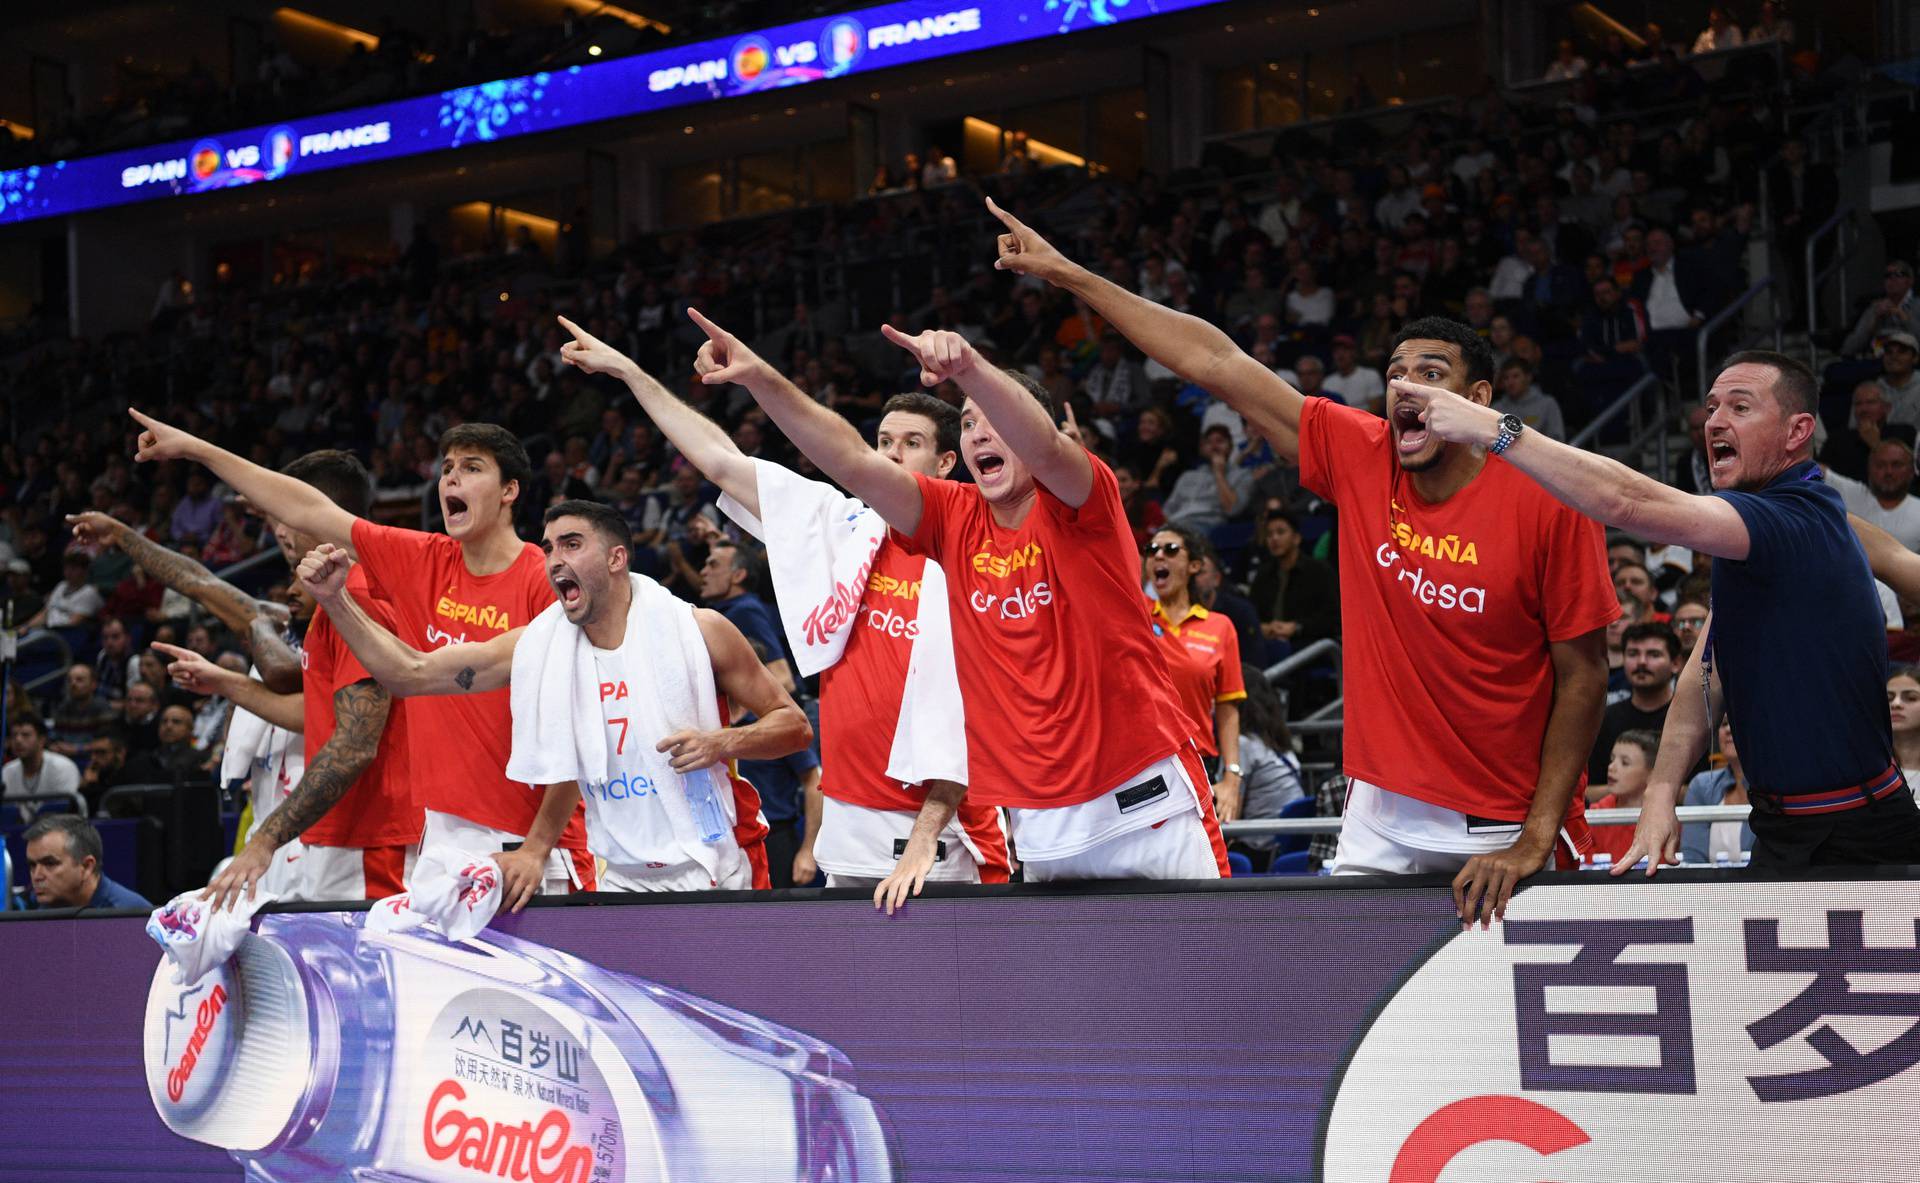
column 1451, row 597
column 1018, row 604
column 535, row 1152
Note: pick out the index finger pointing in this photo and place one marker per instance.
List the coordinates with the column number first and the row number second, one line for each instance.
column 1006, row 219
column 579, row 334
column 713, row 331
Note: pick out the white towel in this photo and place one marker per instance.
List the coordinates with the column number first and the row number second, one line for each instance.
column 456, row 890
column 820, row 548
column 197, row 938
column 559, row 730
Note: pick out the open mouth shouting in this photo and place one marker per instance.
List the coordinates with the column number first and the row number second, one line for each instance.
column 1161, row 574
column 988, row 464
column 1722, row 455
column 567, row 588
column 457, row 513
column 1409, row 431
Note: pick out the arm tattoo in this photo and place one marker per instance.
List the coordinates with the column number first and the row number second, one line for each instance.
column 188, row 577
column 360, row 717
column 464, row 679
column 279, row 665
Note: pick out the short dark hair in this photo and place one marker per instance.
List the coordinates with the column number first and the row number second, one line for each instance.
column 339, row 475
column 748, row 558
column 1473, row 348
column 1193, row 541
column 34, row 721
column 493, row 440
column 1039, row 392
column 605, row 520
column 946, row 419
column 83, row 841
column 1794, row 386
column 1646, row 740
column 1653, row 630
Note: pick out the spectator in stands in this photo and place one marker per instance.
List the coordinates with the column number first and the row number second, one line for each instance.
column 1271, row 778
column 74, row 603
column 1709, row 842
column 1253, row 300
column 670, row 512
column 1774, row 25
column 1847, row 452
column 1690, row 471
column 173, row 748
column 81, row 714
column 1211, row 591
column 1636, row 580
column 729, row 585
column 1566, row 64
column 110, row 765
column 140, row 717
column 1802, row 196
column 1629, row 766
column 1144, row 514
column 1213, row 490
column 1885, row 499
column 64, row 858
column 1898, row 352
column 1613, row 336
column 1721, row 32
column 1117, row 385
column 1308, row 305
column 195, row 517
column 1296, row 595
column 1689, row 618
column 1352, row 383
column 34, row 770
column 1521, row 395
column 1897, row 310
column 940, row 168
column 1903, row 706
column 1676, row 300
column 1652, row 657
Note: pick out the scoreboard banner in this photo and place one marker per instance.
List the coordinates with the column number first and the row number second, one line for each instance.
column 1689, row 1029
column 786, row 55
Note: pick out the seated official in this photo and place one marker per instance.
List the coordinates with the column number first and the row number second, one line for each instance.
column 63, row 862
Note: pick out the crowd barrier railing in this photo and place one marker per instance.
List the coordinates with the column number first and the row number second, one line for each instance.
column 1598, row 817
column 1846, row 240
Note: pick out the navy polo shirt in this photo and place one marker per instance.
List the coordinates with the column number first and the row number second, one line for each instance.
column 1800, row 643
column 750, row 614
column 778, row 783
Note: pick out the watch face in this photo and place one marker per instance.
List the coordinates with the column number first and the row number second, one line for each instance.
column 1511, row 424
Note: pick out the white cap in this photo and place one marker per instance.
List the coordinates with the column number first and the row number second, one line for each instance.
column 228, row 1057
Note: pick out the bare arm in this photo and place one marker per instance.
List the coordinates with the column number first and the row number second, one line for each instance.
column 278, row 664
column 234, row 608
column 1226, row 737
column 1486, row 883
column 1602, row 489
column 781, row 728
column 1058, row 462
column 1683, row 740
column 197, row 675
column 923, row 845
column 826, row 437
column 697, row 437
column 1189, row 346
column 403, row 670
column 294, row 502
column 1893, row 564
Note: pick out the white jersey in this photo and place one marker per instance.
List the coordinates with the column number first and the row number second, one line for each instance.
column 647, row 821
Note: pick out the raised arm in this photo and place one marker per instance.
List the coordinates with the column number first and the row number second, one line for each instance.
column 781, row 728
column 697, row 437
column 1893, row 564
column 196, row 675
column 826, row 437
column 1057, row 461
column 1605, row 490
column 1189, row 346
column 234, row 608
column 403, row 670
column 292, row 501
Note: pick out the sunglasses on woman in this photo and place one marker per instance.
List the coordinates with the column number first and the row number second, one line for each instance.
column 1168, row 549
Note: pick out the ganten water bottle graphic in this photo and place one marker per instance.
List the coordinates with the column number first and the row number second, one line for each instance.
column 321, row 1050
column 704, row 799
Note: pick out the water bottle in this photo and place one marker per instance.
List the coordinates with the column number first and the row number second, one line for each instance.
column 322, row 1050
column 703, row 798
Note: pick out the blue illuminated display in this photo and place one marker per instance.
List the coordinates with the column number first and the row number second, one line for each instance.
column 786, row 55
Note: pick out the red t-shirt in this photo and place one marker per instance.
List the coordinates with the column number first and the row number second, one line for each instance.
column 461, row 742
column 1452, row 606
column 382, row 807
column 1203, row 659
column 860, row 702
column 1066, row 691
column 1611, row 840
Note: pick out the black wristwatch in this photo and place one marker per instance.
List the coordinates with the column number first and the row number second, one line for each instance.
column 1510, row 428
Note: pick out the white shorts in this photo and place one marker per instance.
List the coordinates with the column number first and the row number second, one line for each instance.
column 858, row 842
column 733, row 873
column 445, row 829
column 1177, row 848
column 1387, row 833
column 341, row 872
column 1136, row 803
column 282, row 877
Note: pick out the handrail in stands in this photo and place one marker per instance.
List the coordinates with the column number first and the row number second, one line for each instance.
column 1705, row 334
column 1598, row 817
column 1841, row 226
column 38, row 636
column 79, row 802
column 1298, row 661
column 124, row 791
column 1618, row 407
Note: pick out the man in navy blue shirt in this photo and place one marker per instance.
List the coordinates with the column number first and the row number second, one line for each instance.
column 1794, row 648
column 725, row 584
column 63, row 859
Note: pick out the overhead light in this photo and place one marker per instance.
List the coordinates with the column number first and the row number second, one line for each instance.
column 20, row 130
column 593, row 51
column 320, row 24
column 625, row 16
column 688, row 130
